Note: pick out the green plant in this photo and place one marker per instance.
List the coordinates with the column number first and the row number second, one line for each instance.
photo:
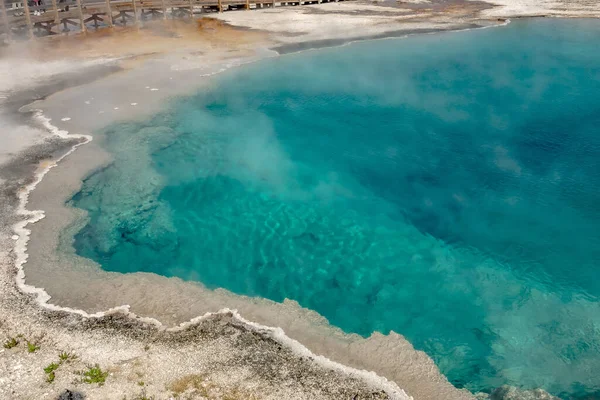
column 51, row 368
column 66, row 357
column 10, row 343
column 94, row 374
column 141, row 383
column 32, row 347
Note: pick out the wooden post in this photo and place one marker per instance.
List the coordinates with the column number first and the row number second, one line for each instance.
column 109, row 13
column 247, row 4
column 5, row 19
column 273, row 3
column 55, row 9
column 220, row 6
column 192, row 9
column 135, row 16
column 28, row 19
column 164, row 8
column 56, row 17
column 81, row 19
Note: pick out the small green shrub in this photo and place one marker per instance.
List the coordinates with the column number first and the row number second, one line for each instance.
column 51, row 368
column 32, row 347
column 66, row 357
column 50, row 377
column 94, row 375
column 10, row 343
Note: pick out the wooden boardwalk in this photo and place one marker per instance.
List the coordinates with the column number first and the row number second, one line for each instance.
column 50, row 17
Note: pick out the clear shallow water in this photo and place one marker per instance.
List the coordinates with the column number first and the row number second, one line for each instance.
column 446, row 187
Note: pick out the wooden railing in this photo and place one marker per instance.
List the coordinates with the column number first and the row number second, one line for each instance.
column 43, row 19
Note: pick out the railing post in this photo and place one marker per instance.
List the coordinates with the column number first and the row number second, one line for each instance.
column 28, row 19
column 220, row 6
column 135, row 16
column 81, row 19
column 192, row 9
column 109, row 13
column 5, row 20
column 164, row 8
column 247, row 4
column 55, row 9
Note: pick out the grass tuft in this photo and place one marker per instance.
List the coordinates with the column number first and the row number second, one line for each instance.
column 94, row 374
column 51, row 368
column 32, row 347
column 192, row 381
column 10, row 343
column 62, row 358
column 198, row 385
column 66, row 357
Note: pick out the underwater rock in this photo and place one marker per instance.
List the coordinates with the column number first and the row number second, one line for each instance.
column 513, row 393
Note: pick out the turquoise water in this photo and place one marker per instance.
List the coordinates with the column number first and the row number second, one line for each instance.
column 445, row 187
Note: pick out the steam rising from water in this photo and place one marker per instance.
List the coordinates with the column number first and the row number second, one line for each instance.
column 442, row 187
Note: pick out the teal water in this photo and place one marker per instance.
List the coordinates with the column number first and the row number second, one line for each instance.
column 445, row 187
